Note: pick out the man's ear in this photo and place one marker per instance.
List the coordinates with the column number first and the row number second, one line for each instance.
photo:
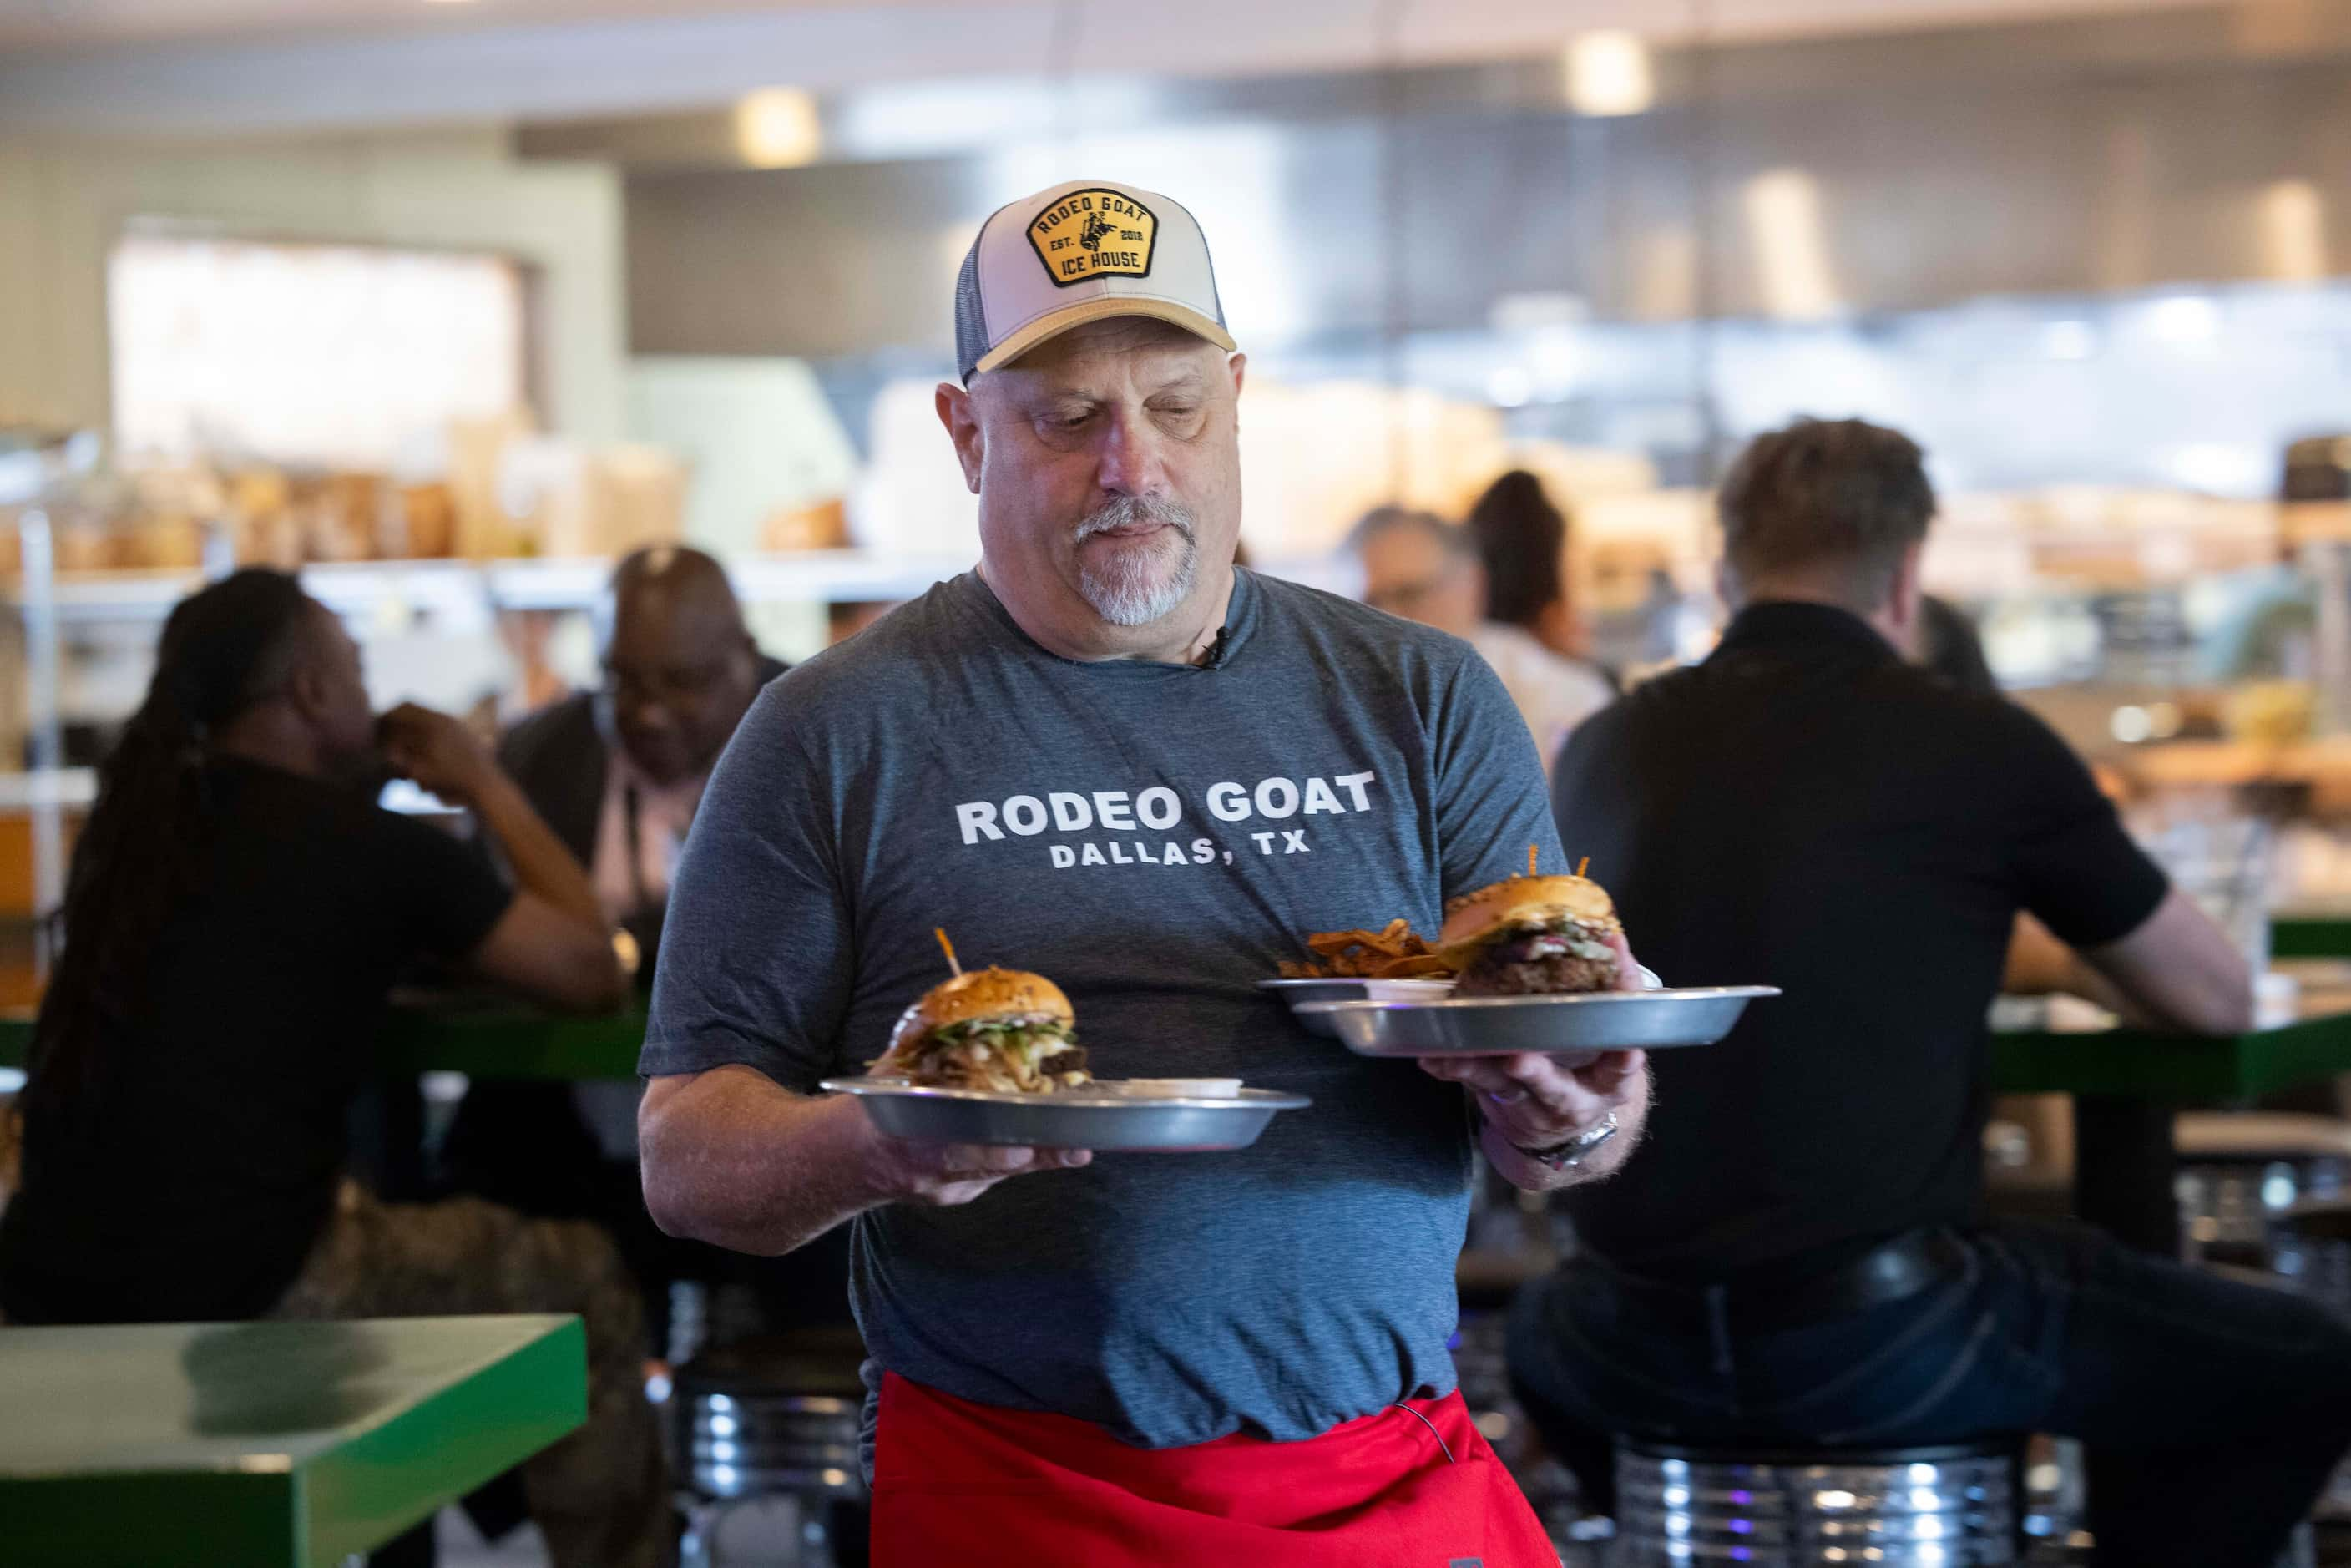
column 306, row 689
column 1902, row 607
column 962, row 423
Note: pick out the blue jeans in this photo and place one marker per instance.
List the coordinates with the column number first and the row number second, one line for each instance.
column 2210, row 1412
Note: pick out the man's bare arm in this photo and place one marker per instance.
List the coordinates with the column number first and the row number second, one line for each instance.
column 2179, row 971
column 734, row 1158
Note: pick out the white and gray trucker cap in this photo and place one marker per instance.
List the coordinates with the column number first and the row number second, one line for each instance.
column 1079, row 252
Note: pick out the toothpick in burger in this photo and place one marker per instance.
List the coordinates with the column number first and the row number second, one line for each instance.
column 1532, row 936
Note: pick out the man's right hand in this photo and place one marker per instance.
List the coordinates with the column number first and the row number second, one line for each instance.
column 436, row 752
column 910, row 1170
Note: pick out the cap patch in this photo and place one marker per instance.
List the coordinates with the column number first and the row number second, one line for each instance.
column 1094, row 233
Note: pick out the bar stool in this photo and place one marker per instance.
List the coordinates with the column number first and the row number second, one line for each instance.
column 1945, row 1507
column 2239, row 1169
column 766, row 1418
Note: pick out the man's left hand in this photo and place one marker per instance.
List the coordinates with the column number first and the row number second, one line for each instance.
column 1540, row 1102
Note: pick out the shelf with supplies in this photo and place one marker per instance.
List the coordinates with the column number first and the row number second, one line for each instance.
column 359, row 588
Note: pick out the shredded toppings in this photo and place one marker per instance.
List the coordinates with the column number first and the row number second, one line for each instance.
column 1035, row 1055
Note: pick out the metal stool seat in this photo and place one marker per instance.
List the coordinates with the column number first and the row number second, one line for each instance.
column 1946, row 1507
column 771, row 1417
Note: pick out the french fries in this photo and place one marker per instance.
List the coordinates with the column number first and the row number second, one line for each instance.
column 1394, row 953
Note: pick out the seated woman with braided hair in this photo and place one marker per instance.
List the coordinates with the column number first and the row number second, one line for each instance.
column 237, row 909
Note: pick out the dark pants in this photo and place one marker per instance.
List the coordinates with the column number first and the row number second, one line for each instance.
column 2211, row 1412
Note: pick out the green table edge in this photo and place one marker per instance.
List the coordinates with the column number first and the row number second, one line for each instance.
column 2311, row 937
column 363, row 1493
column 504, row 1044
column 353, row 1498
column 513, row 1043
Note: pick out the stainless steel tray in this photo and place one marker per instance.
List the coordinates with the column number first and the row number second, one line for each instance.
column 1493, row 1026
column 1097, row 1117
column 1334, row 988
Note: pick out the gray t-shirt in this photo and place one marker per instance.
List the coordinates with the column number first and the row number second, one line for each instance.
column 1155, row 839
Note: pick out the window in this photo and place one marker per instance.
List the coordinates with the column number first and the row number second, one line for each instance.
column 333, row 355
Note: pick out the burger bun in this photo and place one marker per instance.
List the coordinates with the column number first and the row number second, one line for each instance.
column 1477, row 918
column 989, row 993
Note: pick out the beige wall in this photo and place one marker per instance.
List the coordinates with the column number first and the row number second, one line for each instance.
column 63, row 203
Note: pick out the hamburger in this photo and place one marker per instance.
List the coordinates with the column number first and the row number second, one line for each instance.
column 1531, row 936
column 1005, row 1030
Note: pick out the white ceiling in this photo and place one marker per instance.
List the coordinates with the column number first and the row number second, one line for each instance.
column 224, row 66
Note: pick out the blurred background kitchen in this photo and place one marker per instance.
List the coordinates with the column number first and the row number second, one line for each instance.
column 453, row 301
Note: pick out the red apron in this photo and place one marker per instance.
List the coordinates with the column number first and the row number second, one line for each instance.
column 977, row 1486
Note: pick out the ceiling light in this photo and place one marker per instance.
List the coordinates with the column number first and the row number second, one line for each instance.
column 777, row 128
column 1608, row 73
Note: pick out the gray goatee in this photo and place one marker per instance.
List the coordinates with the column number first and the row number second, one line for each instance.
column 1134, row 584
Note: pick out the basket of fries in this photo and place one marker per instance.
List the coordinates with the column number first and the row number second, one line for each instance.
column 1395, row 952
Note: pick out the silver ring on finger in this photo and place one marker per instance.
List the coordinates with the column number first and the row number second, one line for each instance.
column 1509, row 1096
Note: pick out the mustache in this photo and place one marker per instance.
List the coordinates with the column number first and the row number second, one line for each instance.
column 1133, row 511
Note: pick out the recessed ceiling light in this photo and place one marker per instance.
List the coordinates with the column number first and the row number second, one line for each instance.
column 777, row 128
column 1608, row 73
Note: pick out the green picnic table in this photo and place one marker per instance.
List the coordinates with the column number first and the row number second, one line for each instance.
column 265, row 1444
column 2127, row 1084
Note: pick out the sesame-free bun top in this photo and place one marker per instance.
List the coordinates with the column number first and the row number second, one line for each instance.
column 989, row 993
column 1477, row 918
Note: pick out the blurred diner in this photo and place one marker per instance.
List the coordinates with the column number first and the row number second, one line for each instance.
column 1420, row 567
column 617, row 773
column 1798, row 1262
column 238, row 912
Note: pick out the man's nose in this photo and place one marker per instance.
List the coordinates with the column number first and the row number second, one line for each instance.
column 1129, row 458
column 646, row 711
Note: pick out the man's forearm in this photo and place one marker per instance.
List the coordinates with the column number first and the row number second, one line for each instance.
column 734, row 1159
column 1529, row 1176
column 541, row 864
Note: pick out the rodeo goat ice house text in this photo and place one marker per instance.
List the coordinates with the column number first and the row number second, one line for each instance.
column 1160, row 809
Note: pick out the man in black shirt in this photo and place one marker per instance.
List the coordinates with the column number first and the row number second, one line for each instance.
column 1796, row 1260
column 238, row 910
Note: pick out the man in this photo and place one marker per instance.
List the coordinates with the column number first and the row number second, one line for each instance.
column 617, row 773
column 1800, row 1264
column 238, row 912
column 1161, row 1359
column 1420, row 567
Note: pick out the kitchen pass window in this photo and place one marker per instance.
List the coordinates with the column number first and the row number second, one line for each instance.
column 335, row 355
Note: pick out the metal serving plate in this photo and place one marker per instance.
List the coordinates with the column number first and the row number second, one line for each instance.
column 1344, row 988
column 1096, row 1117
column 1494, row 1026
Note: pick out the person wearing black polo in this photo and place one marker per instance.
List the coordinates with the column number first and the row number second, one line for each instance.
column 1797, row 1260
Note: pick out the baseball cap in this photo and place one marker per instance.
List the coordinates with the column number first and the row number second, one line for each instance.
column 1079, row 252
